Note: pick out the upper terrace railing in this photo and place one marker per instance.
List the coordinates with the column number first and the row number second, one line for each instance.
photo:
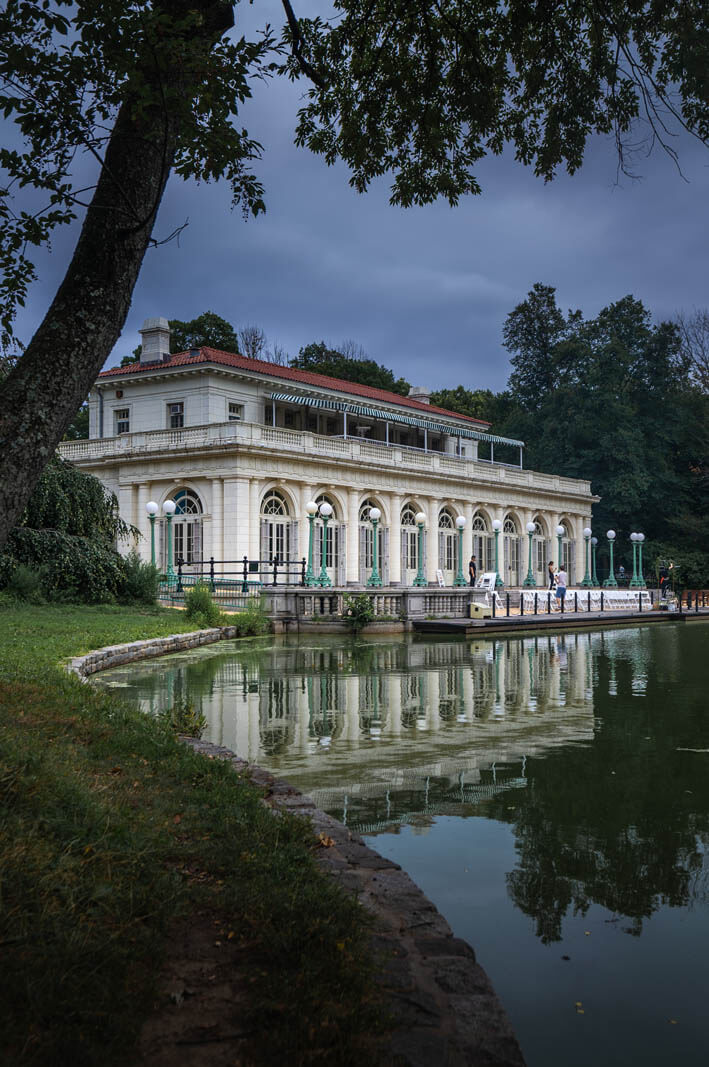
column 223, row 435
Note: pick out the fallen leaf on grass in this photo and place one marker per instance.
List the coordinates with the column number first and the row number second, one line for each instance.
column 177, row 818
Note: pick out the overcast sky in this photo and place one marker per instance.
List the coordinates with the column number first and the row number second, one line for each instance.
column 424, row 290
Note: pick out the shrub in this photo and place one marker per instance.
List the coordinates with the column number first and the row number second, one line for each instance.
column 252, row 621
column 72, row 568
column 357, row 611
column 140, row 580
column 25, row 583
column 182, row 718
column 200, row 606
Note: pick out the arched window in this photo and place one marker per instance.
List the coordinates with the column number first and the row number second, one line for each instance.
column 511, row 556
column 483, row 549
column 274, row 503
column 186, row 527
column 568, row 551
column 539, row 551
column 408, row 516
column 447, row 545
column 335, row 555
column 278, row 533
column 188, row 503
column 365, row 508
column 445, row 520
column 409, row 543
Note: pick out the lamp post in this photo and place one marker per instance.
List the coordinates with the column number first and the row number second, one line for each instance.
column 529, row 582
column 634, row 583
column 641, row 580
column 152, row 509
column 587, row 580
column 311, row 509
column 610, row 582
column 325, row 513
column 497, row 526
column 169, row 507
column 459, row 579
column 560, row 531
column 420, row 578
column 594, row 576
column 374, row 579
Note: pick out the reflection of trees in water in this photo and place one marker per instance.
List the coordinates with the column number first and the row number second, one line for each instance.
column 619, row 823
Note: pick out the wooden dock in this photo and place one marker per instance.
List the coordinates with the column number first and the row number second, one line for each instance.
column 569, row 620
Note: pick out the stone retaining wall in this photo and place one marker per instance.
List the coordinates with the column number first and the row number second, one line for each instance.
column 116, row 655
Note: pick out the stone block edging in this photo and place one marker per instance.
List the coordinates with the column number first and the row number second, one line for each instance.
column 100, row 659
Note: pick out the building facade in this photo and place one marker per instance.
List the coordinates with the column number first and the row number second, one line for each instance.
column 242, row 446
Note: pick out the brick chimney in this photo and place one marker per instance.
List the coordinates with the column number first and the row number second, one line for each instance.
column 155, row 336
column 420, row 393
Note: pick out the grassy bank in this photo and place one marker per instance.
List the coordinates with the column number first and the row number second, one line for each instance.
column 111, row 832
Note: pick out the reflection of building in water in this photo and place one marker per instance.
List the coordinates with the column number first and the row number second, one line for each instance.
column 362, row 720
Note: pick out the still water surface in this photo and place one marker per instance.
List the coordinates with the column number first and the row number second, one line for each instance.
column 550, row 795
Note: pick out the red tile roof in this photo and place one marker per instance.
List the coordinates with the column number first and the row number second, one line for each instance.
column 273, row 370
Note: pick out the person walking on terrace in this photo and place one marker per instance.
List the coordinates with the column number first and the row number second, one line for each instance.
column 472, row 570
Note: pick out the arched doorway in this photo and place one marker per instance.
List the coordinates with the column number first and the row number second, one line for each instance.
column 335, row 558
column 447, row 545
column 409, row 544
column 540, row 552
column 279, row 533
column 366, row 543
column 510, row 552
column 483, row 545
column 186, row 530
column 568, row 552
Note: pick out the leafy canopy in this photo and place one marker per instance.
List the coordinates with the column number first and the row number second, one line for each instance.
column 421, row 91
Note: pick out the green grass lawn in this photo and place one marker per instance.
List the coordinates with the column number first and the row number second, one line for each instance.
column 110, row 831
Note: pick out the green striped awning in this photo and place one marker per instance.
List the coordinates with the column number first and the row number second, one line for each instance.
column 392, row 416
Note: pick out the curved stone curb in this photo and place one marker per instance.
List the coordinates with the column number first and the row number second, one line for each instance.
column 116, row 655
column 444, row 1008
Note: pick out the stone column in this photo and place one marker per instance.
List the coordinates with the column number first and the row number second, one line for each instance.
column 579, row 524
column 254, row 551
column 143, row 522
column 217, row 546
column 468, row 538
column 432, row 508
column 352, row 520
column 395, row 539
column 235, row 519
column 125, row 509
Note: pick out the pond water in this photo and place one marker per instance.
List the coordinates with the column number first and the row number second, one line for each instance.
column 550, row 794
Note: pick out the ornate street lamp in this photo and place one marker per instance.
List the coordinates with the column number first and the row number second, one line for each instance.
column 311, row 510
column 594, row 576
column 587, row 580
column 610, row 582
column 325, row 513
column 497, row 526
column 460, row 523
column 634, row 583
column 641, row 580
column 169, row 507
column 529, row 582
column 374, row 579
column 420, row 578
column 560, row 531
column 152, row 509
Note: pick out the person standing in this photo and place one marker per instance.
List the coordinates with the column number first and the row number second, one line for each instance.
column 562, row 581
column 472, row 570
column 550, row 574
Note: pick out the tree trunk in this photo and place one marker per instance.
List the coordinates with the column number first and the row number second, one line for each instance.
column 52, row 379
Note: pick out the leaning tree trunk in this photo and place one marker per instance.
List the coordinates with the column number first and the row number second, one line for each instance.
column 51, row 380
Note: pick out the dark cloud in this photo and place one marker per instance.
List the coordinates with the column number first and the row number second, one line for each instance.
column 426, row 290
